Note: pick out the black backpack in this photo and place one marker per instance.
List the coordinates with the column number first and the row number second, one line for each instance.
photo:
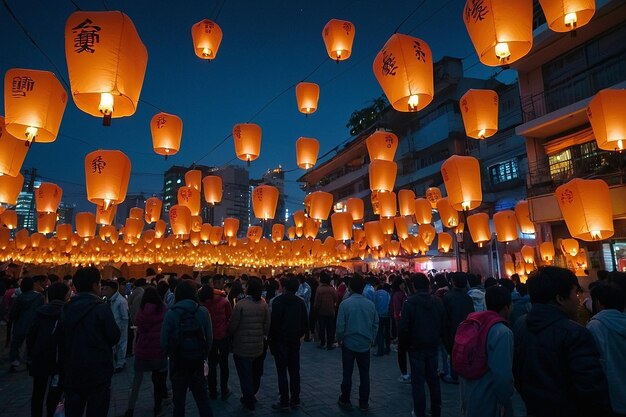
column 189, row 344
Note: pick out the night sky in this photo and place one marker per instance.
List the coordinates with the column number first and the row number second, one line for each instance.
column 267, row 47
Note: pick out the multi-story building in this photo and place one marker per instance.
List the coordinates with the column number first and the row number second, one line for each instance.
column 25, row 207
column 65, row 212
column 173, row 179
column 235, row 196
column 123, row 210
column 557, row 80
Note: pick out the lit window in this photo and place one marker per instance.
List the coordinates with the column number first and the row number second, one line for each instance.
column 504, row 171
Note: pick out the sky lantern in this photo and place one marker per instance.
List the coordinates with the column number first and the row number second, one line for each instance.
column 193, row 178
column 449, row 216
column 148, row 235
column 342, row 225
column 394, row 248
column 167, row 131
column 206, row 36
column 153, row 209
column 427, row 232
column 402, row 227
column 10, row 188
column 307, row 150
column 216, row 234
column 382, row 175
column 501, row 30
column 9, row 219
column 382, row 145
column 522, row 213
column 528, row 253
column 278, row 232
column 190, row 197
column 321, row 204
column 160, row 226
column 105, row 216
column 48, row 197
column 546, row 250
column 85, row 224
column 387, row 204
column 180, row 220
column 607, row 117
column 423, row 211
column 298, row 218
column 46, row 222
column 433, row 194
column 404, row 70
column 212, row 189
column 505, row 224
column 570, row 247
column 356, row 208
column 444, row 242
column 291, row 232
column 107, row 174
column 22, row 239
column 264, row 201
column 567, row 15
column 338, row 37
column 387, row 225
column 374, row 234
column 133, row 227
column 478, row 225
column 64, row 231
column 106, row 63
column 136, row 213
column 196, row 224
column 406, row 203
column 12, row 152
column 310, row 228
column 231, row 226
column 34, row 103
column 586, row 208
column 205, row 232
column 461, row 177
column 479, row 109
column 5, row 237
column 247, row 137
column 307, row 96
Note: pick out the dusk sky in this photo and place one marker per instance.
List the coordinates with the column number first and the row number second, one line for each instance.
column 267, row 47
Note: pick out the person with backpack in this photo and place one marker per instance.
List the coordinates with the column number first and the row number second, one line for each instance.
column 186, row 337
column 44, row 345
column 483, row 358
column 421, row 329
column 90, row 333
column 23, row 313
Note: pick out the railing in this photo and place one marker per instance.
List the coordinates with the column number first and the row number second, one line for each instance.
column 579, row 87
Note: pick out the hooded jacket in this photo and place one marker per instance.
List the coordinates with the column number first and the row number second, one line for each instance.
column 521, row 306
column 220, row 312
column 171, row 323
column 478, row 298
column 90, row 332
column 608, row 328
column 289, row 319
column 557, row 366
column 422, row 322
column 149, row 321
column 24, row 310
column 458, row 306
column 44, row 343
column 119, row 307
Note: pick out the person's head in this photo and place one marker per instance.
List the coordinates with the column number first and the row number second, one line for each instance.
column 522, row 289
column 397, row 284
column 186, row 290
column 151, row 296
column 515, row 279
column 498, row 299
column 292, row 285
column 324, row 277
column 440, row 280
column 53, row 278
column 556, row 286
column 172, row 281
column 162, row 288
column 205, row 293
column 459, row 280
column 109, row 288
column 421, row 282
column 473, row 280
column 87, row 280
column 607, row 296
column 150, row 272
column 301, row 278
column 602, row 275
column 255, row 288
column 40, row 283
column 26, row 284
column 509, row 284
column 205, row 279
column 140, row 282
column 218, row 282
column 357, row 284
column 157, row 278
column 236, row 288
column 490, row 282
column 58, row 291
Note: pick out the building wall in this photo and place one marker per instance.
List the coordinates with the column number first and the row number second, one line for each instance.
column 235, row 196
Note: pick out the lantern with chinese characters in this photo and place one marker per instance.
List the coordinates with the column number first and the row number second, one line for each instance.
column 106, row 62
column 12, row 152
column 212, row 189
column 406, row 202
column 247, row 137
column 404, row 70
column 255, row 233
column 338, row 37
column 86, row 225
column 356, row 208
column 153, row 209
column 9, row 219
column 479, row 109
column 264, row 201
column 387, row 204
column 479, row 228
column 48, row 197
column 321, row 204
column 444, row 242
column 382, row 145
column 10, row 188
column 567, row 15
column 46, row 222
column 423, row 211
column 522, row 214
column 586, row 208
column 307, row 95
column 105, row 216
column 546, row 250
column 34, row 103
column 167, row 131
column 461, row 177
column 505, row 224
column 180, row 220
column 528, row 253
column 433, row 194
column 382, row 175
column 570, row 247
column 342, row 226
column 206, row 36
column 606, row 115
column 307, row 150
column 107, row 174
column 231, row 226
column 374, row 234
column 278, row 232
column 501, row 30
column 449, row 216
column 190, row 197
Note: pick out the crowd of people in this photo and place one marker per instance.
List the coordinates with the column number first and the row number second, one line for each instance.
column 488, row 336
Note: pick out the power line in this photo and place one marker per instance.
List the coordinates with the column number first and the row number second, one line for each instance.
column 410, row 14
column 75, row 5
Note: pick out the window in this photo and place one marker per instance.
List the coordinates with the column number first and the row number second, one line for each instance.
column 504, row 171
column 561, row 165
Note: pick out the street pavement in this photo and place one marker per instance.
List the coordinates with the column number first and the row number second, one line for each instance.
column 320, row 375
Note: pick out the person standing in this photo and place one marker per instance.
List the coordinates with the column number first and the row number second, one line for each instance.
column 556, row 363
column 90, row 333
column 476, row 292
column 119, row 307
column 382, row 300
column 357, row 326
column 22, row 315
column 134, row 301
column 325, row 305
column 304, row 292
column 289, row 323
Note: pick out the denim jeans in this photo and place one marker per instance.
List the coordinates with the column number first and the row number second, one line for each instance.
column 424, row 370
column 382, row 340
column 363, row 363
column 250, row 371
column 218, row 356
column 95, row 401
column 287, row 357
column 327, row 330
column 192, row 379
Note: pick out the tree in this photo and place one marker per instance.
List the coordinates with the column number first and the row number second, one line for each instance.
column 364, row 118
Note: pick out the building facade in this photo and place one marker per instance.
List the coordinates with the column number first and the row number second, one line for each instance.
column 235, row 196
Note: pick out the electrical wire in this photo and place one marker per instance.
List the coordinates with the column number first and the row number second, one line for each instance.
column 75, row 5
column 410, row 14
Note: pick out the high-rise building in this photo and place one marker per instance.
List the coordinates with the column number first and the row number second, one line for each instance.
column 25, row 207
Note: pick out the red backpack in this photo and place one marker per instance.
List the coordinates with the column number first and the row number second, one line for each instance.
column 469, row 354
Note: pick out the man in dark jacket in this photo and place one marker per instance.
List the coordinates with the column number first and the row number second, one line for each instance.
column 288, row 323
column 420, row 329
column 458, row 305
column 22, row 315
column 90, row 334
column 556, row 363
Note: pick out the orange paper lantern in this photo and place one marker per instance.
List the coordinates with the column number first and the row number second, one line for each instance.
column 387, row 225
column 423, row 211
column 48, row 197
column 382, row 145
column 9, row 219
column 193, row 178
column 342, row 226
column 190, row 197
column 402, row 227
column 387, row 204
column 522, row 213
column 528, row 253
column 264, row 201
column 546, row 250
column 46, row 222
column 206, row 36
column 606, row 115
column 444, row 242
column 278, row 232
column 167, row 131
column 461, row 177
column 567, row 15
column 10, row 188
column 136, row 213
column 196, row 224
column 356, row 208
column 338, row 37
column 449, row 216
column 382, row 175
column 105, row 216
column 311, row 228
column 307, row 96
column 247, row 137
column 255, row 233
column 64, row 231
column 12, row 152
column 374, row 234
column 505, row 224
column 570, row 247
column 298, row 218
column 216, row 235
column 107, row 174
column 212, row 189
column 153, row 209
column 133, row 228
column 406, row 202
column 231, row 226
column 479, row 228
column 160, row 227
column 427, row 232
column 86, row 224
column 433, row 194
column 180, row 220
column 321, row 204
column 479, row 109
column 307, row 150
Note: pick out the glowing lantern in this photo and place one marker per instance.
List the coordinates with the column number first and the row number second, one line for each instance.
column 12, row 152
column 461, row 177
column 196, row 223
column 427, row 232
column 419, row 245
column 291, row 232
column 106, row 62
column 86, row 224
column 180, row 220
column 46, row 222
column 159, row 228
column 190, row 197
column 479, row 228
column 311, row 227
column 231, row 226
column 133, row 227
column 374, row 234
column 479, row 109
column 194, row 238
column 546, row 249
column 394, row 248
column 449, row 216
column 586, row 208
column 205, row 232
column 423, row 211
column 216, row 235
column 307, row 150
column 321, row 204
column 255, row 233
column 206, row 36
column 387, row 204
column 338, row 37
column 404, row 70
column 105, row 216
column 298, row 218
column 342, row 225
column 567, row 15
column 193, row 178
column 606, row 115
column 212, row 189
column 501, row 30
column 528, row 253
column 356, row 208
column 382, row 145
column 48, row 197
column 278, row 232
column 523, row 217
column 402, row 228
column 570, row 247
column 22, row 240
column 444, row 242
column 5, row 237
column 264, row 201
column 167, row 131
column 387, row 225
column 9, row 219
column 10, row 188
column 108, row 231
column 136, row 213
column 505, row 224
column 382, row 175
column 406, row 203
column 247, row 137
column 153, row 209
column 64, row 231
column 307, row 95
column 433, row 195
column 107, row 174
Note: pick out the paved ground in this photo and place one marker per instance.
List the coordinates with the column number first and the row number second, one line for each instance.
column 321, row 377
